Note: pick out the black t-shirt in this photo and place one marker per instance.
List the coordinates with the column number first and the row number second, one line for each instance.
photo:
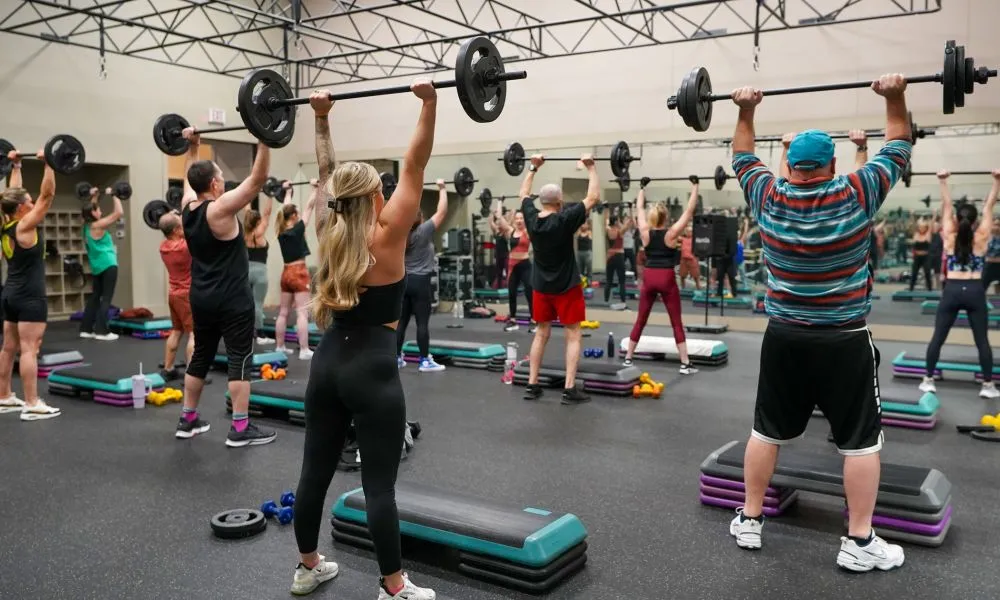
column 584, row 243
column 293, row 243
column 554, row 270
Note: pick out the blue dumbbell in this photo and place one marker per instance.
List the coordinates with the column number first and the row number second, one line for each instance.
column 284, row 514
column 287, row 499
column 587, row 352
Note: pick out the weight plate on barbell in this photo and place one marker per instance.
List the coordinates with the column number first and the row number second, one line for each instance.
column 65, row 154
column 913, row 127
column 513, row 159
column 271, row 187
column 486, row 196
column 959, row 76
column 465, row 182
column 273, row 126
column 970, row 74
column 239, row 523
column 683, row 108
column 174, row 197
column 948, row 79
column 123, row 190
column 168, row 134
column 388, row 184
column 621, row 158
column 477, row 71
column 624, row 181
column 720, row 177
column 282, row 192
column 6, row 165
column 153, row 211
column 907, row 174
column 83, row 190
column 697, row 109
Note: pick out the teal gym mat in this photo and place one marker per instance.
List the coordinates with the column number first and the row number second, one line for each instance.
column 901, row 360
column 269, row 327
column 741, row 301
column 259, row 360
column 435, row 348
column 122, row 386
column 906, row 296
column 929, row 307
column 134, row 325
column 927, row 406
column 490, row 293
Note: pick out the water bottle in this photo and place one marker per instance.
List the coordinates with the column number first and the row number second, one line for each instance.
column 510, row 363
column 611, row 346
column 139, row 389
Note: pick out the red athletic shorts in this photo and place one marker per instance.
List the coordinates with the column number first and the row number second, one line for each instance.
column 180, row 313
column 568, row 306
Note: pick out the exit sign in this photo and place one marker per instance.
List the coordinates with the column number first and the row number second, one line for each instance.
column 216, row 116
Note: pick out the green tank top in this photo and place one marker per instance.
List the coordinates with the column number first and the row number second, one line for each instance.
column 101, row 253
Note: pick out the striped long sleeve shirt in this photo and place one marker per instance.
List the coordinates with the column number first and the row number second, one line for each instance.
column 816, row 236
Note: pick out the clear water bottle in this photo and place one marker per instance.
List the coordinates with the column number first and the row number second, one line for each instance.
column 611, row 346
column 510, row 363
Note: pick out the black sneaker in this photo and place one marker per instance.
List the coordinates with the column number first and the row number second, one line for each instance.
column 574, row 395
column 251, row 436
column 510, row 326
column 169, row 374
column 532, row 392
column 188, row 429
column 688, row 369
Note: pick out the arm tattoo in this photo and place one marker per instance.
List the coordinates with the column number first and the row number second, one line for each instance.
column 324, row 148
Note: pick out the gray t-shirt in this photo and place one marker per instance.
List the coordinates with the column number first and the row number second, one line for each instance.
column 420, row 250
column 628, row 239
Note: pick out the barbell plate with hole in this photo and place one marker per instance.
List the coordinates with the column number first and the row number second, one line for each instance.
column 720, row 177
column 486, row 196
column 948, row 79
column 271, row 187
column 152, row 212
column 959, row 76
column 481, row 93
column 83, row 190
column 388, row 184
column 273, row 125
column 6, row 165
column 167, row 133
column 174, row 197
column 239, row 523
column 513, row 159
column 970, row 74
column 624, row 181
column 464, row 181
column 123, row 190
column 907, row 175
column 699, row 86
column 65, row 154
column 681, row 105
column 621, row 158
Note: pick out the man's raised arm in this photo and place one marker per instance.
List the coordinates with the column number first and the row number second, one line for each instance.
column 233, row 201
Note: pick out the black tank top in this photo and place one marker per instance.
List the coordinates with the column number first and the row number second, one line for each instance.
column 25, row 266
column 658, row 255
column 584, row 244
column 219, row 269
column 501, row 248
column 257, row 255
column 921, row 246
column 377, row 305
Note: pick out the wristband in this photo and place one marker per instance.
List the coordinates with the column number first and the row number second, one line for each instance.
column 863, row 148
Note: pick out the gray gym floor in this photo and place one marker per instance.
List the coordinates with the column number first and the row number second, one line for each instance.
column 103, row 502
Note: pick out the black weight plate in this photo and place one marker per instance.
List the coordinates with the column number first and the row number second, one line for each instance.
column 6, row 165
column 486, row 196
column 174, row 197
column 282, row 192
column 239, row 523
column 65, row 154
column 907, row 174
column 388, row 184
column 970, row 74
column 621, row 158
column 167, row 134
column 123, row 190
column 272, row 126
column 476, row 70
column 465, row 182
column 703, row 86
column 83, row 190
column 513, row 159
column 948, row 80
column 624, row 181
column 720, row 177
column 271, row 187
column 152, row 212
column 959, row 76
column 682, row 95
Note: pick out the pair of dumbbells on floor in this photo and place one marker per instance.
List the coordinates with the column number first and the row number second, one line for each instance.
column 285, row 513
column 593, row 352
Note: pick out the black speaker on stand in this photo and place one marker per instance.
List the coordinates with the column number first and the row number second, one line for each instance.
column 712, row 237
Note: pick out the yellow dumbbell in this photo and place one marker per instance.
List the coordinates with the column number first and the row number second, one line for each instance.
column 990, row 421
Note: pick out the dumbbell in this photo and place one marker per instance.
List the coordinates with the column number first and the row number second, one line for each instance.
column 121, row 190
column 593, row 352
column 63, row 152
column 287, row 499
column 284, row 514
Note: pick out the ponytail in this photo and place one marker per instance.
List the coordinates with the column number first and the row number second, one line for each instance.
column 657, row 215
column 250, row 222
column 286, row 212
column 965, row 235
column 10, row 200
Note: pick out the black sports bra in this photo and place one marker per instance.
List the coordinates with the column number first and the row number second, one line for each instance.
column 377, row 305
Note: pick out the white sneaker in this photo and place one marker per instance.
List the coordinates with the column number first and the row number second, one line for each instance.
column 86, row 335
column 746, row 531
column 877, row 554
column 38, row 411
column 989, row 390
column 307, row 580
column 11, row 404
column 305, row 354
column 107, row 337
column 927, row 385
column 427, row 365
column 688, row 369
column 409, row 592
column 264, row 341
column 284, row 349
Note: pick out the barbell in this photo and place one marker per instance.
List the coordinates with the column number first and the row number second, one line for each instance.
column 275, row 188
column 266, row 104
column 720, row 177
column 153, row 211
column 486, row 199
column 620, row 159
column 915, row 134
column 63, row 152
column 909, row 173
column 463, row 181
column 694, row 98
column 122, row 190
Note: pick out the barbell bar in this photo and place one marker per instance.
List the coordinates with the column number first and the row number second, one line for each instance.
column 275, row 188
column 122, row 190
column 63, row 152
column 514, row 158
column 915, row 134
column 719, row 178
column 168, row 133
column 694, row 98
column 908, row 174
column 463, row 181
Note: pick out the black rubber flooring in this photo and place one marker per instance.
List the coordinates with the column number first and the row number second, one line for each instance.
column 103, row 502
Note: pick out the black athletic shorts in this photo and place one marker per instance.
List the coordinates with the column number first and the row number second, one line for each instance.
column 834, row 369
column 24, row 310
column 235, row 329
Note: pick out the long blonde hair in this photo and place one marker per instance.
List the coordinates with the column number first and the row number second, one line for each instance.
column 344, row 242
column 657, row 215
column 284, row 214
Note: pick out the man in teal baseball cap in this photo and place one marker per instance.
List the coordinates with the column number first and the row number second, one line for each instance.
column 812, row 151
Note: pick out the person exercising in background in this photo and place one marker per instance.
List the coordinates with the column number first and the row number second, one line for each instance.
column 290, row 228
column 501, row 249
column 614, row 266
column 585, row 251
column 103, row 257
column 177, row 260
column 689, row 265
column 921, row 253
column 221, row 300
column 965, row 246
column 24, row 304
column 518, row 266
column 255, row 232
column 662, row 254
column 419, row 261
column 935, row 253
column 815, row 234
column 991, row 273
column 629, row 233
column 555, row 277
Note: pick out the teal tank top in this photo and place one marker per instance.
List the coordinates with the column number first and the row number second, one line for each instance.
column 101, row 253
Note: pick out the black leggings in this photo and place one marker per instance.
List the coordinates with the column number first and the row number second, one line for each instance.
column 353, row 375
column 95, row 314
column 921, row 262
column 615, row 267
column 416, row 303
column 235, row 329
column 969, row 295
column 630, row 259
column 520, row 274
column 725, row 267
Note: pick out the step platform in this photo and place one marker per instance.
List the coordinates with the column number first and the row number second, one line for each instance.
column 282, row 399
column 745, row 302
column 469, row 355
column 278, row 360
column 614, row 304
column 105, row 384
column 992, row 320
column 700, row 352
column 914, row 367
column 605, row 378
column 50, row 359
column 914, row 503
column 490, row 294
column 920, row 413
column 268, row 328
column 521, row 547
column 147, row 328
column 915, row 295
